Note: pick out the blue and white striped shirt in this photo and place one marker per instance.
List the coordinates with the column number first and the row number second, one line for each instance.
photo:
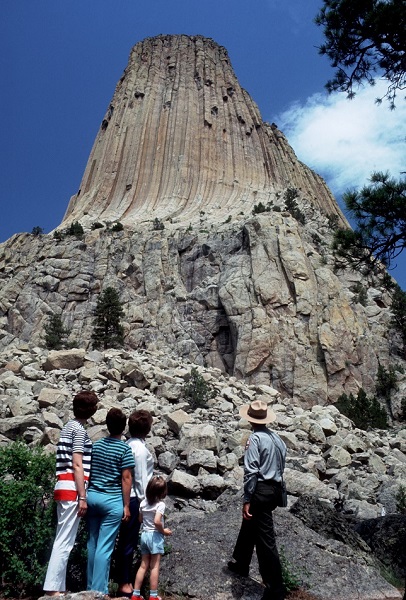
column 109, row 457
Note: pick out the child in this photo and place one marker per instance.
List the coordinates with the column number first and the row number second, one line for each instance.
column 152, row 510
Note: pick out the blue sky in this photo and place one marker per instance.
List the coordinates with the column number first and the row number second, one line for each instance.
column 60, row 61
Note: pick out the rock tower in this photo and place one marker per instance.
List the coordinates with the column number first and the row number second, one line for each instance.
column 181, row 136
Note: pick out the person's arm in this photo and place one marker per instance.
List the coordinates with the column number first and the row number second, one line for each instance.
column 159, row 526
column 77, row 463
column 251, row 467
column 246, row 507
column 142, row 472
column 251, row 470
column 126, row 481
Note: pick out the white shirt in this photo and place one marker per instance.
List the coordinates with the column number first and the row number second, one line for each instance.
column 148, row 514
column 144, row 466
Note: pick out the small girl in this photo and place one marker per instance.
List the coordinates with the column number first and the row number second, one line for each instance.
column 152, row 510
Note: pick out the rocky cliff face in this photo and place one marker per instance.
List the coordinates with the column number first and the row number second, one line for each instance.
column 185, row 162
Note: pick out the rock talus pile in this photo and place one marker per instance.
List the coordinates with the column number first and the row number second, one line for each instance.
column 200, row 452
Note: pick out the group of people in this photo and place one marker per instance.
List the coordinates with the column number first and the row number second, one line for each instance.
column 111, row 483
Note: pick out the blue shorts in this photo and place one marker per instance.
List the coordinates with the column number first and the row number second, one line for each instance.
column 152, row 542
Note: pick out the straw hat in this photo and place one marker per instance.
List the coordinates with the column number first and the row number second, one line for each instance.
column 257, row 412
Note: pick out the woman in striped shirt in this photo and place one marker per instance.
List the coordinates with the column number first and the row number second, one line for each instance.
column 108, row 499
column 73, row 457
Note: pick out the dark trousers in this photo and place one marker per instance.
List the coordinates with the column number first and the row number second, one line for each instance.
column 127, row 543
column 259, row 532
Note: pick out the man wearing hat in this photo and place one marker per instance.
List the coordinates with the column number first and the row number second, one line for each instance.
column 264, row 462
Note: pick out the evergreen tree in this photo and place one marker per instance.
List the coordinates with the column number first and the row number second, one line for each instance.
column 365, row 412
column 380, row 234
column 399, row 313
column 108, row 331
column 55, row 333
column 75, row 229
column 196, row 390
column 364, row 39
column 37, row 230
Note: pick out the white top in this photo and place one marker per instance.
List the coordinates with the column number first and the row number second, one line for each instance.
column 148, row 513
column 144, row 466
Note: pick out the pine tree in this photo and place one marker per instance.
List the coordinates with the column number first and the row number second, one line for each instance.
column 380, row 235
column 108, row 331
column 364, row 40
column 55, row 333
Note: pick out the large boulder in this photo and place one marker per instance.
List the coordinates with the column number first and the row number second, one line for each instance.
column 64, row 359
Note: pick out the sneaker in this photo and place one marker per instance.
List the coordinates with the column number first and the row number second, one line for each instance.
column 155, row 598
column 237, row 569
column 136, row 597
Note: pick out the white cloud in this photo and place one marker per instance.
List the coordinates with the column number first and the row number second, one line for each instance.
column 345, row 140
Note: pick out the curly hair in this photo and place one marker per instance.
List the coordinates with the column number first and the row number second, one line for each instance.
column 140, row 423
column 85, row 404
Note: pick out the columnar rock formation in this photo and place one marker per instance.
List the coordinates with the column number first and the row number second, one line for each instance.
column 181, row 136
column 224, row 256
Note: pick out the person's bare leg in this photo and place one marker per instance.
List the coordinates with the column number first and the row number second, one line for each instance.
column 154, row 575
column 144, row 566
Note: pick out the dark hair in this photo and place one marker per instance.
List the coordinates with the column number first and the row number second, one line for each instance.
column 139, row 423
column 85, row 404
column 116, row 421
column 156, row 489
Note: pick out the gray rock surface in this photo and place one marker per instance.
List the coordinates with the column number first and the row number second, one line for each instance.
column 328, row 568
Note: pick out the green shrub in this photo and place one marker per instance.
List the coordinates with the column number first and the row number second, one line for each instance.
column 290, row 195
column 332, row 221
column 58, row 235
column 96, row 225
column 117, row 226
column 399, row 313
column 291, row 578
column 400, row 498
column 360, row 293
column 157, row 225
column 37, row 231
column 403, row 409
column 292, row 206
column 26, row 517
column 75, row 229
column 386, row 382
column 363, row 411
column 259, row 208
column 196, row 391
